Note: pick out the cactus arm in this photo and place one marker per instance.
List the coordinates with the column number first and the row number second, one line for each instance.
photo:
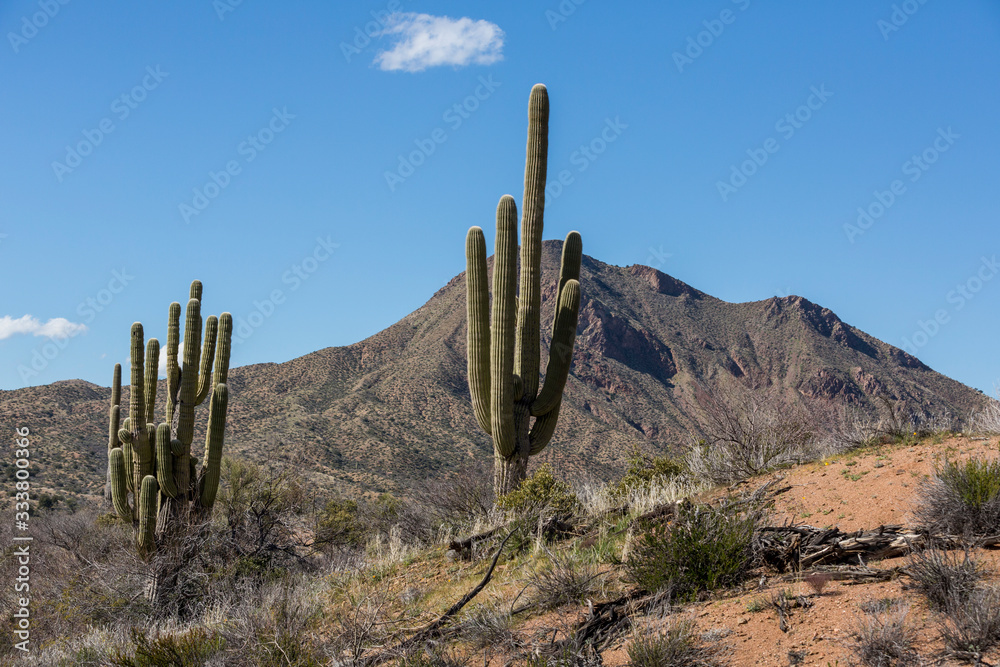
column 542, row 430
column 189, row 372
column 137, row 400
column 165, row 461
column 114, row 426
column 207, row 354
column 114, row 412
column 478, row 303
column 527, row 361
column 211, row 470
column 148, row 492
column 572, row 257
column 503, row 331
column 225, row 345
column 152, row 373
column 173, row 370
column 195, row 290
column 116, row 385
column 119, row 484
column 127, row 454
column 561, row 354
column 125, row 431
column 142, row 455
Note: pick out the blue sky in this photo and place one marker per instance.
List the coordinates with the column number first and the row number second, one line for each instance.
column 319, row 163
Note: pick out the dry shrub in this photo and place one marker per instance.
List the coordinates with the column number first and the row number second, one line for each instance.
column 883, row 639
column 986, row 420
column 279, row 625
column 748, row 431
column 564, row 580
column 942, row 577
column 674, row 644
column 971, row 626
column 490, row 626
column 460, row 499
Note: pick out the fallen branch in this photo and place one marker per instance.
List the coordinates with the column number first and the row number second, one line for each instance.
column 803, row 547
column 431, row 630
column 463, row 547
column 850, row 574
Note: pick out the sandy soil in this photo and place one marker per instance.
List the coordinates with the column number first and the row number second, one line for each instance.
column 852, row 491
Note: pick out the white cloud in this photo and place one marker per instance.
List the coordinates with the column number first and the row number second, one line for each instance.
column 162, row 371
column 428, row 41
column 57, row 327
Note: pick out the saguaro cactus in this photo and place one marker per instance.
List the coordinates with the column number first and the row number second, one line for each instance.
column 168, row 490
column 505, row 358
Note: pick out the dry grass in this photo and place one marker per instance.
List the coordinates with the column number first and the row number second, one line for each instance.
column 883, row 638
column 971, row 625
column 944, row 578
column 674, row 643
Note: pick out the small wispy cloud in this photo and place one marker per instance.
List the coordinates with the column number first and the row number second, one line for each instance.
column 57, row 327
column 163, row 360
column 429, row 41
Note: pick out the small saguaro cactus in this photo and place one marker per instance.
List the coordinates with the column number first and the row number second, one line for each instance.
column 505, row 357
column 154, row 463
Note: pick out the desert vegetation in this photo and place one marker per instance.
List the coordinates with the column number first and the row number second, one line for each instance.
column 573, row 569
column 504, row 336
column 224, row 560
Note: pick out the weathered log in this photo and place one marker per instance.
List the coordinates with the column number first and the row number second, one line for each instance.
column 802, row 547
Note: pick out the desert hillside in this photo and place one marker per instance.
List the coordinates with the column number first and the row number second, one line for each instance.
column 395, row 407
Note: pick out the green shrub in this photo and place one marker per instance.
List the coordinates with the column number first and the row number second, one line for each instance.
column 962, row 498
column 977, row 482
column 189, row 649
column 702, row 549
column 540, row 493
column 341, row 525
column 644, row 471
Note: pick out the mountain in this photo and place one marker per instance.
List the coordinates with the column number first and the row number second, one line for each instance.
column 394, row 408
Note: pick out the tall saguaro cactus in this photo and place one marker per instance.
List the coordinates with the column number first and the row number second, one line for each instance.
column 153, row 464
column 505, row 356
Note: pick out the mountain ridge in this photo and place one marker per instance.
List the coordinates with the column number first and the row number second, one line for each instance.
column 387, row 411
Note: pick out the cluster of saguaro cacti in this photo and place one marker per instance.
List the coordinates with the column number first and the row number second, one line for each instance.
column 153, row 463
column 504, row 358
